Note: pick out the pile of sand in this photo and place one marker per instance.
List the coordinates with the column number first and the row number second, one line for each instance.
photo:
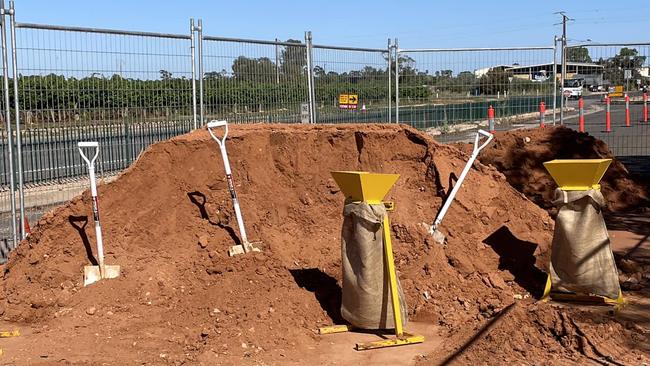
column 180, row 299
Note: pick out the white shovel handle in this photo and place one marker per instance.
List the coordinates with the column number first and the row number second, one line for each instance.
column 462, row 176
column 486, row 134
column 231, row 185
column 217, row 124
column 83, row 144
column 93, row 192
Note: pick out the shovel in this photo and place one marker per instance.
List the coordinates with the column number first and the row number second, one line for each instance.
column 245, row 246
column 437, row 235
column 93, row 274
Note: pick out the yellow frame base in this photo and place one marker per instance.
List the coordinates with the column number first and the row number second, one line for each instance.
column 405, row 339
column 8, row 334
column 618, row 303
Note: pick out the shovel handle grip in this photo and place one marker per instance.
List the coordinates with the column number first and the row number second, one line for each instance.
column 218, row 124
column 488, row 137
column 94, row 144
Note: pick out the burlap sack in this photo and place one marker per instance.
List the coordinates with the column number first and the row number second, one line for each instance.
column 366, row 301
column 581, row 259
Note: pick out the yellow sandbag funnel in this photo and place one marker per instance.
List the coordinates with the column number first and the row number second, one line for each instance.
column 364, row 186
column 577, row 174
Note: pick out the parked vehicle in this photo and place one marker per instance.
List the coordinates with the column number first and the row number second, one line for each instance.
column 572, row 88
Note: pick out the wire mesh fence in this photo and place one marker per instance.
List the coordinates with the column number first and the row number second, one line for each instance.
column 247, row 81
column 128, row 89
column 623, row 70
column 438, row 87
column 125, row 90
column 357, row 73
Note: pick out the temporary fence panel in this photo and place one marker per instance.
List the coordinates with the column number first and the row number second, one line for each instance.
column 351, row 84
column 249, row 81
column 123, row 89
column 438, row 87
column 614, row 70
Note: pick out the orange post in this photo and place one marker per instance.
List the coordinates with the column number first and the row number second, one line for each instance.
column 645, row 107
column 28, row 230
column 627, row 110
column 491, row 119
column 581, row 115
column 542, row 111
column 608, row 116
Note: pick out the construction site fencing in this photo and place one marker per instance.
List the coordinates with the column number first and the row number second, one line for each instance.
column 359, row 73
column 129, row 89
column 249, row 81
column 123, row 89
column 438, row 87
column 623, row 70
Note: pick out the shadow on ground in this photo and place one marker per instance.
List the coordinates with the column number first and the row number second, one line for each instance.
column 325, row 289
column 517, row 257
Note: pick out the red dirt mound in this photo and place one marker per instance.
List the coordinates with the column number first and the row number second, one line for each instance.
column 180, row 300
column 520, row 155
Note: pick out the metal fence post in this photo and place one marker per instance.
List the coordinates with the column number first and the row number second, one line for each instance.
column 390, row 71
column 396, row 45
column 193, row 71
column 201, row 104
column 562, row 76
column 310, row 79
column 19, row 157
column 277, row 62
column 10, row 144
column 554, row 77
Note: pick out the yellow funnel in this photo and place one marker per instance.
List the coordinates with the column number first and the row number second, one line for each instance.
column 577, row 174
column 364, row 186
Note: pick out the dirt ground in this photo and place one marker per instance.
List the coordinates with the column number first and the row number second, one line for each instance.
column 181, row 300
column 520, row 155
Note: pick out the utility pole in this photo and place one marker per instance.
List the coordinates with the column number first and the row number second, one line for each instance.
column 565, row 18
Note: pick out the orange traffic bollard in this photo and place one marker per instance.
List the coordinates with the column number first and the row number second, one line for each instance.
column 581, row 114
column 608, row 115
column 627, row 110
column 645, row 107
column 491, row 119
column 542, row 111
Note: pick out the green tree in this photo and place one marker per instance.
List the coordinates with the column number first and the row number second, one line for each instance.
column 578, row 54
column 494, row 81
column 165, row 75
column 293, row 59
column 253, row 69
column 627, row 59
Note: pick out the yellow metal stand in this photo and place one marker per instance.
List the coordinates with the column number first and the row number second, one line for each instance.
column 578, row 175
column 371, row 188
column 6, row 334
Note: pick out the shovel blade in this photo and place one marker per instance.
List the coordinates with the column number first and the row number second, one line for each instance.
column 438, row 236
column 245, row 248
column 93, row 274
column 112, row 271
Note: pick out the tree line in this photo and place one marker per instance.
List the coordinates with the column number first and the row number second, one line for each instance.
column 262, row 84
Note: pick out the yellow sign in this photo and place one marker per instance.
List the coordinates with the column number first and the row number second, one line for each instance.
column 348, row 101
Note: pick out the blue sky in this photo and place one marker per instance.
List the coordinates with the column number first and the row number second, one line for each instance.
column 364, row 23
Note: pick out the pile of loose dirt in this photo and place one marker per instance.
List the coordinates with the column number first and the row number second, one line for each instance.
column 168, row 222
column 520, row 155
